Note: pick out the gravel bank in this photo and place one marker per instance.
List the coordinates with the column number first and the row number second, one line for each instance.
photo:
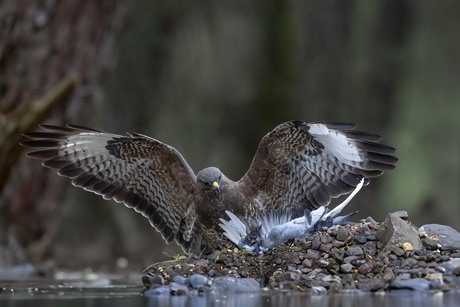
column 368, row 256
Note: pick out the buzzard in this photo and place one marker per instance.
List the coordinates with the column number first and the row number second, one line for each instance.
column 297, row 166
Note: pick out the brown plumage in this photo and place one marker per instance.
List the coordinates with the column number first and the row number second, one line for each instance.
column 297, row 166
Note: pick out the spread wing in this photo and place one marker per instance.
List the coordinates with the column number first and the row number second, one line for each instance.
column 303, row 165
column 141, row 172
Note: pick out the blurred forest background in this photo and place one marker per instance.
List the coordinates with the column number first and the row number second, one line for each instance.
column 211, row 78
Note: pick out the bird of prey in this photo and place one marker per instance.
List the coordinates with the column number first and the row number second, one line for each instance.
column 297, row 166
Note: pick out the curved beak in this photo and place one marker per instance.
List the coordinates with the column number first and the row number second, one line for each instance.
column 215, row 186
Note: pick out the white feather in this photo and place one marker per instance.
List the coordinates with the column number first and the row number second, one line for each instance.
column 336, row 143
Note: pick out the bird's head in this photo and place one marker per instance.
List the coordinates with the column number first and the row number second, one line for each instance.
column 210, row 179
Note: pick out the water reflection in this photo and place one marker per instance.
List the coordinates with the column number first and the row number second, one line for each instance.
column 130, row 296
column 389, row 299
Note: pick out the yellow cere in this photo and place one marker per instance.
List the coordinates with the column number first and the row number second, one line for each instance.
column 215, row 184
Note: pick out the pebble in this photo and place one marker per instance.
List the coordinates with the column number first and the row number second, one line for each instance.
column 342, row 234
column 354, row 251
column 360, row 239
column 348, row 257
column 346, row 268
column 197, row 281
column 312, row 254
column 418, row 284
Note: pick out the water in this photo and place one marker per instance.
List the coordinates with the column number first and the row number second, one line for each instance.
column 84, row 293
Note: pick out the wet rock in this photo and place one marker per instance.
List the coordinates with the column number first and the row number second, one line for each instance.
column 161, row 290
column 197, row 281
column 395, row 230
column 179, row 279
column 417, row 284
column 376, row 284
column 178, row 289
column 318, row 290
column 233, row 284
column 452, row 266
column 153, row 280
column 446, row 236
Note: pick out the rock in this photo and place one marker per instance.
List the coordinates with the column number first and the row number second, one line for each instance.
column 395, row 231
column 452, row 266
column 318, row 290
column 197, row 281
column 312, row 254
column 388, row 274
column 179, row 279
column 346, row 268
column 161, row 290
column 287, row 276
column 354, row 251
column 430, row 244
column 446, row 236
column 417, row 284
column 178, row 289
column 342, row 234
column 153, row 280
column 316, row 242
column 376, row 284
column 366, row 267
column 372, row 223
column 232, row 284
column 360, row 239
column 408, row 262
column 398, row 251
column 401, row 214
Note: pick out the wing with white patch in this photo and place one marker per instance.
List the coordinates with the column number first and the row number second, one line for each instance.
column 303, row 165
column 141, row 172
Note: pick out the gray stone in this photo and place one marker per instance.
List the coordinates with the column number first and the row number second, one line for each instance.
column 360, row 239
column 178, row 289
column 346, row 268
column 446, row 236
column 179, row 279
column 417, row 284
column 288, row 276
column 452, row 266
column 197, row 281
column 395, row 231
column 232, row 284
column 312, row 254
column 408, row 262
column 372, row 223
column 342, row 234
column 354, row 251
column 161, row 290
column 398, row 251
column 401, row 214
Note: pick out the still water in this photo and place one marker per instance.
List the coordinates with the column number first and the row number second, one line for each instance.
column 74, row 294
